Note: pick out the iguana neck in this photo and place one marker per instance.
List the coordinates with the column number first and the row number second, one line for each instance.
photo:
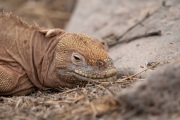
column 41, row 58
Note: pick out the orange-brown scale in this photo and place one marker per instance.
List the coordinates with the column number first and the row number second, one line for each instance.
column 92, row 51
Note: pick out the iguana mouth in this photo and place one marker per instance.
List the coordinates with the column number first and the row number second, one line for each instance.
column 105, row 74
column 83, row 79
column 79, row 77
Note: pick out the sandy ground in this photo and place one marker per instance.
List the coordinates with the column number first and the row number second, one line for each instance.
column 89, row 102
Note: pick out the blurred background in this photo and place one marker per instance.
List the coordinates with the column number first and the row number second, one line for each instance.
column 46, row 13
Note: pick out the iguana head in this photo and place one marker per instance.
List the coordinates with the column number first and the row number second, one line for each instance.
column 79, row 58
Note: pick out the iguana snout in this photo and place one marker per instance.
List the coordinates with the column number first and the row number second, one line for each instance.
column 79, row 59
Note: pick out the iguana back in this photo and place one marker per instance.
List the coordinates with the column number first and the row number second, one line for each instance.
column 22, row 50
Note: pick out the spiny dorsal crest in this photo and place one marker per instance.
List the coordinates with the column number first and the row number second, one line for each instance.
column 11, row 17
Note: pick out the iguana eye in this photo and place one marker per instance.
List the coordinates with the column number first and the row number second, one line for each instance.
column 77, row 58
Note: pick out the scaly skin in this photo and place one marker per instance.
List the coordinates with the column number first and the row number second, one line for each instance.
column 31, row 57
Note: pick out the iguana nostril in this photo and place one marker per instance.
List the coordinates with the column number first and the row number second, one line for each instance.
column 100, row 63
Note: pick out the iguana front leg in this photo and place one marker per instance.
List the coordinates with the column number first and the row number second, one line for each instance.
column 14, row 83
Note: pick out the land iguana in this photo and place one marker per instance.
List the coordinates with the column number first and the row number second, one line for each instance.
column 32, row 57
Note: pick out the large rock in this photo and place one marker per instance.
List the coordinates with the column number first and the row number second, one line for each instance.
column 104, row 18
column 157, row 97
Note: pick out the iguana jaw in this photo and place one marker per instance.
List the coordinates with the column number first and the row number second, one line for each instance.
column 84, row 79
column 105, row 74
column 78, row 77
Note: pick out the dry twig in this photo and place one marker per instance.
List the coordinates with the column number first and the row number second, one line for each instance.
column 119, row 40
column 131, row 76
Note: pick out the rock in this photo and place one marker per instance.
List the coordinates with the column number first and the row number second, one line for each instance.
column 121, row 19
column 157, row 96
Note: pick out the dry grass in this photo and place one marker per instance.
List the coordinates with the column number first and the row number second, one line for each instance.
column 89, row 102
